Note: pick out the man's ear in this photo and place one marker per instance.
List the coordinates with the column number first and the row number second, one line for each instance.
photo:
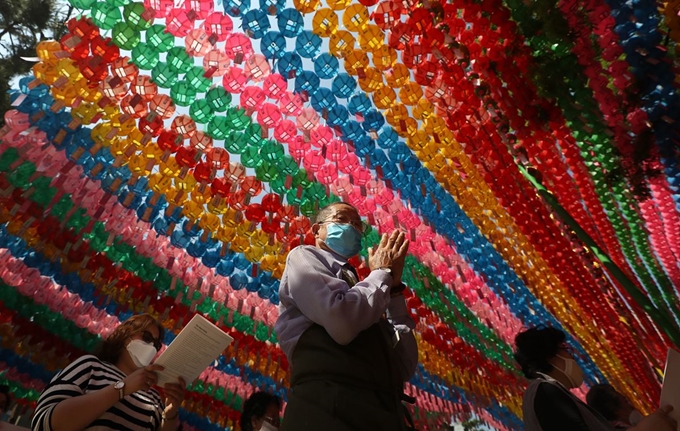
column 315, row 229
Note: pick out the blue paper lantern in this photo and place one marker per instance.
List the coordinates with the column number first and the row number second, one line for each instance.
column 388, row 138
column 272, row 7
column 338, row 116
column 326, row 66
column 308, row 44
column 273, row 45
column 373, row 121
column 256, row 22
column 343, row 86
column 236, row 8
column 290, row 22
column 322, row 99
column 306, row 81
column 359, row 104
column 289, row 64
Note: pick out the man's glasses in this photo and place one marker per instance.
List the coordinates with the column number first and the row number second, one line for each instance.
column 148, row 338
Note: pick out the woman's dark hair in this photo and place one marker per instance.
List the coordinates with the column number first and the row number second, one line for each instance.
column 535, row 346
column 605, row 400
column 4, row 390
column 256, row 407
column 111, row 348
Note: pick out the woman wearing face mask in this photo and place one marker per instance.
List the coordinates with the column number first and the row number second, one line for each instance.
column 261, row 412
column 113, row 390
column 548, row 405
column 613, row 406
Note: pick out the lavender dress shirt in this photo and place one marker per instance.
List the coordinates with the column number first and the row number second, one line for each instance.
column 313, row 291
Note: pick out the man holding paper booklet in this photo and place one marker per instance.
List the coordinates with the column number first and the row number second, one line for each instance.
column 115, row 389
column 349, row 342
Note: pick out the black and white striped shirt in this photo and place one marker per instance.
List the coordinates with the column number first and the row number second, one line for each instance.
column 139, row 411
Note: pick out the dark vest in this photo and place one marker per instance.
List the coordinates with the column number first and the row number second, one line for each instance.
column 367, row 362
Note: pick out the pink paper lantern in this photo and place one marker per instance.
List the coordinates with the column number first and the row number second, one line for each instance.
column 201, row 8
column 238, row 45
column 179, row 22
column 308, row 119
column 234, row 81
column 285, row 131
column 257, row 68
column 290, row 103
column 275, row 86
column 252, row 97
column 218, row 26
column 268, row 115
column 197, row 43
column 216, row 63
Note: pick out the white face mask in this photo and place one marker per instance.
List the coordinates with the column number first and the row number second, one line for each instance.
column 141, row 353
column 572, row 371
column 266, row 426
column 635, row 417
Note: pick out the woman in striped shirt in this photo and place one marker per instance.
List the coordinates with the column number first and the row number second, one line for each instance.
column 113, row 390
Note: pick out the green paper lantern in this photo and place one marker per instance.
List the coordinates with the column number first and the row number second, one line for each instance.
column 7, row 158
column 316, row 191
column 135, row 14
column 163, row 75
column 218, row 98
column 236, row 142
column 301, row 179
column 201, row 111
column 254, row 134
column 19, row 178
column 125, row 36
column 145, row 56
column 82, row 4
column 219, row 394
column 218, row 127
column 250, row 158
column 179, row 60
column 278, row 185
column 182, row 93
column 118, row 3
column 309, row 208
column 287, row 165
column 271, row 151
column 105, row 16
column 160, row 39
column 62, row 207
column 238, row 118
column 267, row 171
column 293, row 199
column 262, row 332
column 196, row 79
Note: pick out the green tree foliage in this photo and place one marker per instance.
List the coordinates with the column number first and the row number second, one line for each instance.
column 24, row 23
column 473, row 425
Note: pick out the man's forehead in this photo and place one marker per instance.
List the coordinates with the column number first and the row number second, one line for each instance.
column 344, row 209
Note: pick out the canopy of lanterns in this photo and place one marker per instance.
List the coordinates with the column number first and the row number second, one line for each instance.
column 165, row 157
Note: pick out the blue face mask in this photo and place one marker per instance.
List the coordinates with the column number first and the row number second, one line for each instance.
column 344, row 239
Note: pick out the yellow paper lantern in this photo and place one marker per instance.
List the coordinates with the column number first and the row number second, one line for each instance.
column 325, row 22
column 341, row 43
column 355, row 17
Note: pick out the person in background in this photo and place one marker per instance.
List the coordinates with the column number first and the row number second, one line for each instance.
column 115, row 389
column 261, row 412
column 349, row 342
column 613, row 406
column 5, row 401
column 548, row 404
